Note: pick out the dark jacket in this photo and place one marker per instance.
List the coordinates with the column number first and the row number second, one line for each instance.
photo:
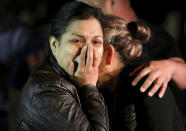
column 131, row 110
column 52, row 102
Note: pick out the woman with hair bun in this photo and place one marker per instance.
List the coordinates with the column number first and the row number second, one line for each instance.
column 124, row 45
column 128, row 108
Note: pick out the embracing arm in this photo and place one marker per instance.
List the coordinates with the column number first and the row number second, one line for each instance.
column 160, row 73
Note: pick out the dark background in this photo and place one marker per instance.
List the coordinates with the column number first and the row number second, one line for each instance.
column 158, row 12
column 169, row 14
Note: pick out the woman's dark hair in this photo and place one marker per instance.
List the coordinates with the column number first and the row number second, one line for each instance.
column 72, row 11
column 127, row 39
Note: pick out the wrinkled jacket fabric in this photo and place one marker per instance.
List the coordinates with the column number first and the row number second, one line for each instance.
column 52, row 102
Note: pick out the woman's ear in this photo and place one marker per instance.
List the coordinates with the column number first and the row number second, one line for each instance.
column 53, row 44
column 109, row 51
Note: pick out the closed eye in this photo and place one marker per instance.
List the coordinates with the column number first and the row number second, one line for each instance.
column 76, row 41
column 97, row 42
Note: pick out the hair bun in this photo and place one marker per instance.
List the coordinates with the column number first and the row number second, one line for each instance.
column 132, row 28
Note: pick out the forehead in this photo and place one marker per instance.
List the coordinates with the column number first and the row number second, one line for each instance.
column 96, row 3
column 88, row 25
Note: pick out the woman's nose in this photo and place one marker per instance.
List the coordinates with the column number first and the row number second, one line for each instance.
column 88, row 44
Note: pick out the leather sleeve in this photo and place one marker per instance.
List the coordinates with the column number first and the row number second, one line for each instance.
column 94, row 107
column 56, row 108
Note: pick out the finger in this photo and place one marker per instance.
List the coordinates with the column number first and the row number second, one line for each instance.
column 140, row 75
column 96, row 62
column 89, row 61
column 155, row 87
column 136, row 70
column 163, row 89
column 150, row 79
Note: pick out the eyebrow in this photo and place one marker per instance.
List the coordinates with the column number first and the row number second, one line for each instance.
column 78, row 35
column 84, row 37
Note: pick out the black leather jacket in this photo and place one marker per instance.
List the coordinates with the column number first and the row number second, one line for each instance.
column 52, row 102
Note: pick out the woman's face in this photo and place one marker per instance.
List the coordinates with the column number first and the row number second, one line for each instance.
column 78, row 34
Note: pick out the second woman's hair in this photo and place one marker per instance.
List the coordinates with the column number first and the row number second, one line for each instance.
column 127, row 39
